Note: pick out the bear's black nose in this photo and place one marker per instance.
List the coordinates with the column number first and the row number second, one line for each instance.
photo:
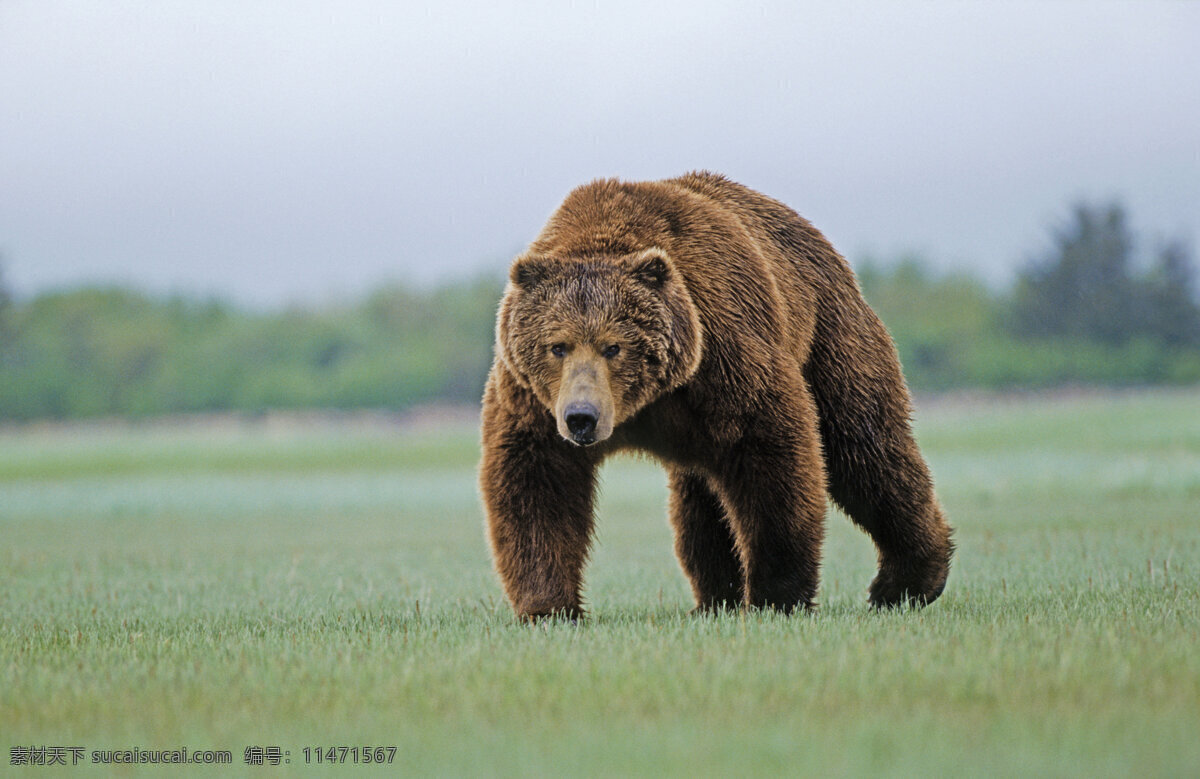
column 581, row 421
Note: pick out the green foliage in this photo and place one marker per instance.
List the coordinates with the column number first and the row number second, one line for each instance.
column 99, row 352
column 940, row 324
column 1082, row 315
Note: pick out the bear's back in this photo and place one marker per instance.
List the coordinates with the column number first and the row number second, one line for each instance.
column 746, row 257
column 807, row 275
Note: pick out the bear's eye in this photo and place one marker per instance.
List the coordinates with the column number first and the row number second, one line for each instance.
column 610, row 351
column 559, row 350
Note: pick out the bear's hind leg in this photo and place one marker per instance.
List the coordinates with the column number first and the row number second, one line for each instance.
column 704, row 542
column 875, row 470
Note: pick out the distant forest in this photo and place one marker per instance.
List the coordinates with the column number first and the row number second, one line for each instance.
column 1091, row 310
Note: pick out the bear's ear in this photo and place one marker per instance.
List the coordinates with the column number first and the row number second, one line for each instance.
column 528, row 271
column 651, row 268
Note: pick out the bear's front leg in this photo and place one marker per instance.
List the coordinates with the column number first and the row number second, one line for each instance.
column 772, row 482
column 704, row 542
column 538, row 491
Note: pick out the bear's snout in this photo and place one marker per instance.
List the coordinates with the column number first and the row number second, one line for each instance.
column 581, row 420
column 583, row 408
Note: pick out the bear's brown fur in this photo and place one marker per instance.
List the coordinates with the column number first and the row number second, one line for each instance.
column 715, row 329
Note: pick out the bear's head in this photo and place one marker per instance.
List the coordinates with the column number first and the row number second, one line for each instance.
column 598, row 337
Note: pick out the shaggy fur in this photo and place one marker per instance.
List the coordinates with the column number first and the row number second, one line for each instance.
column 715, row 329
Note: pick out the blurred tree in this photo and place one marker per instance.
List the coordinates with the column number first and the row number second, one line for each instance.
column 1088, row 289
column 1169, row 308
column 5, row 295
column 5, row 305
column 1084, row 288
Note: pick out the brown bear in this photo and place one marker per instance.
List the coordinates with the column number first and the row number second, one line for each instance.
column 713, row 328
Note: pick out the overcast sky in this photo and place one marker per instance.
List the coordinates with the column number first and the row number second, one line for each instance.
column 280, row 151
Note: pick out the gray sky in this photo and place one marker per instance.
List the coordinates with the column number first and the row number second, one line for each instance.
column 278, row 151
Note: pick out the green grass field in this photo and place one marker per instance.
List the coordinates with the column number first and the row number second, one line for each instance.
column 230, row 586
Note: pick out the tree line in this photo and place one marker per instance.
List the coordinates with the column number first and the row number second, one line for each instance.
column 1090, row 310
column 94, row 352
